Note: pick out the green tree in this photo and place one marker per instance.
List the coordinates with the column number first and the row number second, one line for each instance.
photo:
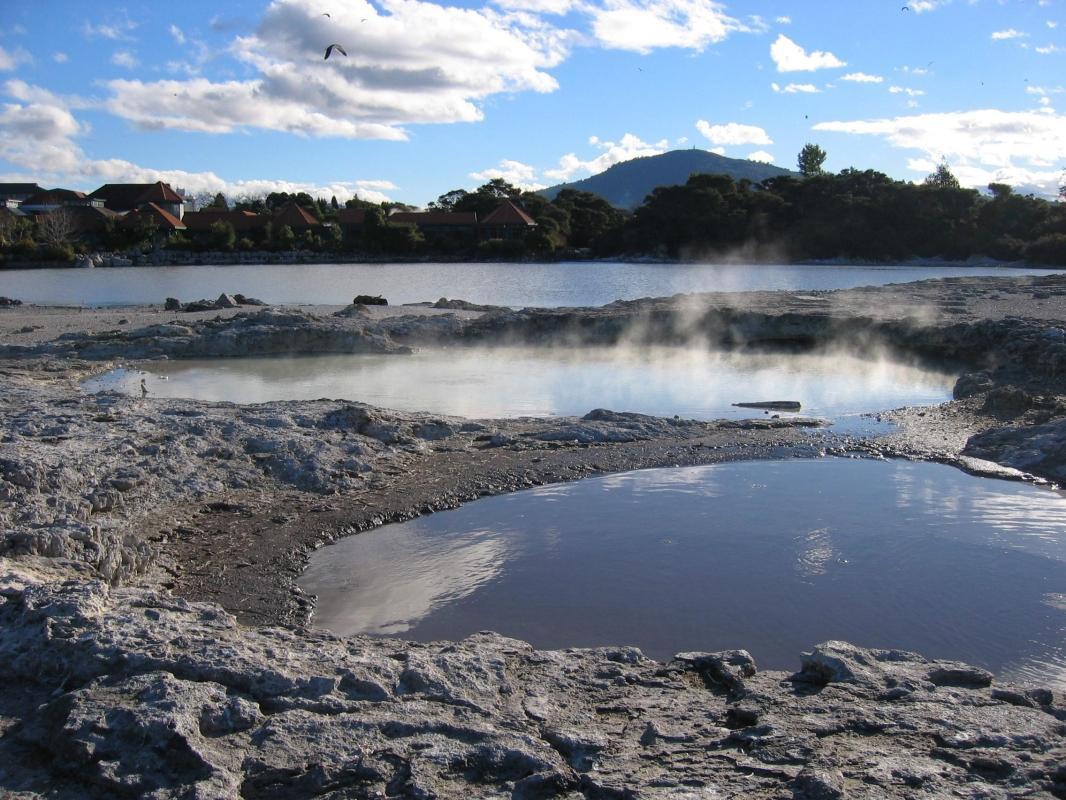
column 285, row 239
column 219, row 202
column 221, row 236
column 810, row 160
column 942, row 178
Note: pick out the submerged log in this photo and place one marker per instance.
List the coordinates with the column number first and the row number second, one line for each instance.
column 776, row 405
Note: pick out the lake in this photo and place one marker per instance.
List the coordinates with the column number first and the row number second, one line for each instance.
column 773, row 557
column 513, row 381
column 518, row 285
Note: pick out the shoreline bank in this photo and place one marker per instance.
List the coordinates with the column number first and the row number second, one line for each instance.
column 134, row 530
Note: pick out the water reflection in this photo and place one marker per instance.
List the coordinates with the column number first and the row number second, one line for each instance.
column 510, row 382
column 772, row 556
column 517, row 285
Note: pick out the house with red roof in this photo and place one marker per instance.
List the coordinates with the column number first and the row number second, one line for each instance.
column 123, row 197
column 296, row 217
column 155, row 216
column 242, row 221
column 506, row 221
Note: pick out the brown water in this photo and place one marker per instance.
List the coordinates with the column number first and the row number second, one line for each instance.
column 769, row 556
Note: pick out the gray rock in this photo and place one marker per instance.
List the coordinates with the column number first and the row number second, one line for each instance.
column 172, row 304
column 226, row 301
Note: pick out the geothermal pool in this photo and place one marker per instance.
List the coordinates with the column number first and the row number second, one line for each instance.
column 512, row 382
column 768, row 556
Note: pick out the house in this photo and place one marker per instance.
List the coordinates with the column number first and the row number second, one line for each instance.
column 435, row 225
column 156, row 216
column 351, row 220
column 50, row 199
column 123, row 197
column 296, row 217
column 242, row 221
column 506, row 221
column 17, row 192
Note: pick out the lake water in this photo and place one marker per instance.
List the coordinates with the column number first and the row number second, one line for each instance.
column 773, row 557
column 511, row 382
column 518, row 285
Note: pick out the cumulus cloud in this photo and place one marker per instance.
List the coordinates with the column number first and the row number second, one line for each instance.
column 790, row 57
column 733, row 133
column 515, row 172
column 60, row 58
column 979, row 145
column 628, row 147
column 645, row 25
column 783, row 20
column 795, row 88
column 862, row 77
column 411, row 62
column 761, row 156
column 537, row 6
column 906, row 91
column 42, row 146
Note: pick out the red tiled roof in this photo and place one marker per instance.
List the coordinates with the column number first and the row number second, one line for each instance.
column 240, row 220
column 507, row 213
column 435, row 217
column 50, row 197
column 161, row 217
column 351, row 216
column 295, row 217
column 128, row 196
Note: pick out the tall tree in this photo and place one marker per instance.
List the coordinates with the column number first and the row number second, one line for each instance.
column 810, row 160
column 942, row 178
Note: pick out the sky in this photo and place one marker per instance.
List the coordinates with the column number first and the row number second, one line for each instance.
column 433, row 96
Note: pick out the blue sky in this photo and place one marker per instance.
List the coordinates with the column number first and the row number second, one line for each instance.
column 237, row 97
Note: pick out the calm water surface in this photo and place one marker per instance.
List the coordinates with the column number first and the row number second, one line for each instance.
column 518, row 285
column 511, row 382
column 773, row 557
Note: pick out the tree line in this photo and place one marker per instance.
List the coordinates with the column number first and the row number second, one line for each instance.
column 853, row 214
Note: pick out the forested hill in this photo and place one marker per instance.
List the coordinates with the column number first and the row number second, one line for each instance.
column 625, row 185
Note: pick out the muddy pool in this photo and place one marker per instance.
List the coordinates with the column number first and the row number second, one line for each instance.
column 512, row 382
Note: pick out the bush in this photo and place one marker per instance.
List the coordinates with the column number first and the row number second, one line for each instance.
column 1050, row 249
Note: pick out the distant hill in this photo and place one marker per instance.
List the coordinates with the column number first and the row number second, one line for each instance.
column 625, row 185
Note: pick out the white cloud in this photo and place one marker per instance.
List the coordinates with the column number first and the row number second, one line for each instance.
column 916, row 71
column 177, row 34
column 537, row 6
column 717, row 151
column 60, row 58
column 981, row 143
column 1052, row 24
column 921, row 6
column 412, row 62
column 795, row 88
column 761, row 156
column 41, row 145
column 790, row 57
column 628, row 147
column 783, row 20
column 9, row 60
column 907, row 91
column 124, row 58
column 1008, row 33
column 862, row 77
column 733, row 133
column 1048, row 49
column 514, row 172
column 645, row 25
column 114, row 29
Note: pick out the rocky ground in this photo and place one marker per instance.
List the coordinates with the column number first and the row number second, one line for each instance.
column 149, row 547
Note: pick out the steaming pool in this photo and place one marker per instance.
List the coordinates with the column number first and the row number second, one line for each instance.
column 769, row 556
column 513, row 382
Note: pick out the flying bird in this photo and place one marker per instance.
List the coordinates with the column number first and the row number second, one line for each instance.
column 331, row 48
column 326, row 15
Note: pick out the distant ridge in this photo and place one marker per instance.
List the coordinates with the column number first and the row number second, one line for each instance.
column 625, row 185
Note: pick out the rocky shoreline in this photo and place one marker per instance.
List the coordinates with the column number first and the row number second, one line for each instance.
column 154, row 641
